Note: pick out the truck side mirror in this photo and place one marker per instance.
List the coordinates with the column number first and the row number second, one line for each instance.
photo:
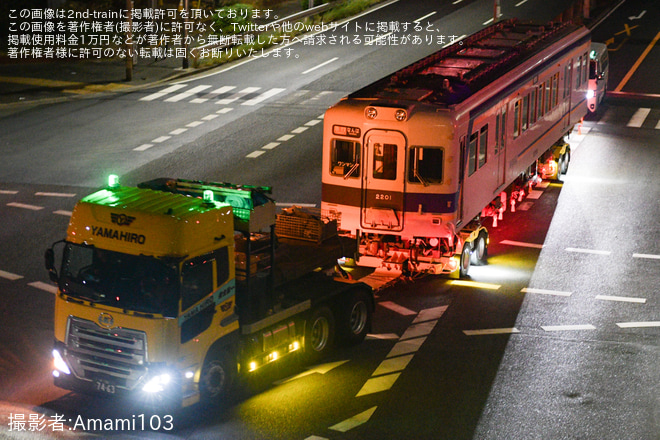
column 49, row 258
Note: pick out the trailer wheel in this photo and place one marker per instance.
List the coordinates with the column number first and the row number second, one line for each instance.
column 319, row 333
column 356, row 319
column 216, row 378
column 464, row 266
column 479, row 250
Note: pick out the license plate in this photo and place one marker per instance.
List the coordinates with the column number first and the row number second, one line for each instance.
column 105, row 387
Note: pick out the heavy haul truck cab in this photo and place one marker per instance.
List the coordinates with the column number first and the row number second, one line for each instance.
column 169, row 290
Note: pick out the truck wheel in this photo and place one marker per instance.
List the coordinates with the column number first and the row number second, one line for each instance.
column 357, row 316
column 319, row 333
column 216, row 378
column 464, row 266
column 479, row 250
column 565, row 159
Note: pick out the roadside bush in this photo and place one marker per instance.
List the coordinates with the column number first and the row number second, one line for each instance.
column 225, row 18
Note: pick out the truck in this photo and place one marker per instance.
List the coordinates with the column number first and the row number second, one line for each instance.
column 170, row 291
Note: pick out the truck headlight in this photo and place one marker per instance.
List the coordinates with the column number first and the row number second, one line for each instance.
column 59, row 364
column 157, row 383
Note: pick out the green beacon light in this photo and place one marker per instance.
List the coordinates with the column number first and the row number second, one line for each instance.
column 208, row 196
column 113, row 180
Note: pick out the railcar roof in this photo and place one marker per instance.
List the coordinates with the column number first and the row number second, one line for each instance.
column 456, row 72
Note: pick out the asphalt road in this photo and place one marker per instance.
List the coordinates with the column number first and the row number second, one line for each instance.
column 559, row 341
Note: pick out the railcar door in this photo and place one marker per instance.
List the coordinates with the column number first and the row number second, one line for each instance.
column 383, row 180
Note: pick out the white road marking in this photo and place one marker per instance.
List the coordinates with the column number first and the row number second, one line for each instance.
column 286, row 137
column 520, row 3
column 25, row 206
column 160, row 139
column 270, row 145
column 255, row 154
column 178, row 131
column 534, row 194
column 325, row 63
column 210, row 117
column 10, row 276
column 651, row 256
column 43, row 286
column 588, row 251
column 466, row 283
column 638, row 324
column 392, row 365
column 222, row 111
column 417, row 330
column 143, row 147
column 54, row 194
column 313, row 122
column 621, row 299
column 8, row 192
column 355, row 421
column 397, row 308
column 378, row 384
column 299, row 129
column 429, row 314
column 545, row 292
column 521, row 244
column 382, row 336
column 194, row 124
column 639, row 117
column 163, row 92
column 425, row 16
column 213, row 94
column 560, row 328
column 65, row 213
column 491, row 331
column 380, row 37
column 237, row 96
column 406, row 347
column 187, row 94
column 264, row 96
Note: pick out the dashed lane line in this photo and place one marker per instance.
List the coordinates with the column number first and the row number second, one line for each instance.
column 621, row 299
column 55, row 194
column 561, row 328
column 545, row 291
column 588, row 251
column 8, row 192
column 491, row 331
column 25, row 206
column 64, row 213
column 476, row 284
column 10, row 276
column 521, row 244
column 638, row 324
column 43, row 286
column 649, row 256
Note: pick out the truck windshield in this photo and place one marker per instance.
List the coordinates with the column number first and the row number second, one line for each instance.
column 137, row 283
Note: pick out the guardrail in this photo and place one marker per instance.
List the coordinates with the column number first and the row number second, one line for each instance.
column 273, row 25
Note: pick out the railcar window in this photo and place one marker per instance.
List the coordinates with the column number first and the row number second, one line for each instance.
column 555, row 90
column 584, row 67
column 483, row 145
column 516, row 119
column 525, row 113
column 548, row 95
column 426, row 165
column 532, row 108
column 541, row 104
column 593, row 69
column 345, row 158
column 472, row 153
column 578, row 72
column 384, row 161
column 497, row 132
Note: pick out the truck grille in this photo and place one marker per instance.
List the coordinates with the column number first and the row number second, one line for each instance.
column 117, row 356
